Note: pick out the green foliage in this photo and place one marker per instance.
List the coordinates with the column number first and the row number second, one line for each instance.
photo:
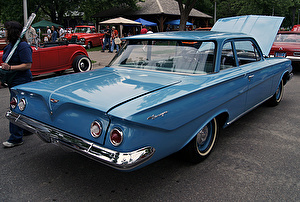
column 286, row 8
column 11, row 10
column 92, row 7
column 55, row 10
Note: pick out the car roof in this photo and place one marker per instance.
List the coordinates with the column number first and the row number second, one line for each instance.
column 188, row 36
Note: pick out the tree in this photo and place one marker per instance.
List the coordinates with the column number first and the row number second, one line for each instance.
column 56, row 9
column 185, row 10
column 11, row 10
column 91, row 7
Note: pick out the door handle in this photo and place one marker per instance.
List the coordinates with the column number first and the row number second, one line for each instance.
column 250, row 77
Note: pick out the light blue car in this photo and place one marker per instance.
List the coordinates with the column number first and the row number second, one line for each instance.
column 162, row 93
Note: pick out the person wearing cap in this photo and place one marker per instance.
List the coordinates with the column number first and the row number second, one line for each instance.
column 114, row 37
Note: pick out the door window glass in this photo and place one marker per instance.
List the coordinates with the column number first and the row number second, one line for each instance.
column 246, row 52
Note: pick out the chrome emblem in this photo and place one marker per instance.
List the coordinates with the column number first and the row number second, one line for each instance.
column 156, row 116
column 54, row 100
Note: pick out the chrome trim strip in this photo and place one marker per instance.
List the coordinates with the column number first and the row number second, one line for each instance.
column 293, row 58
column 115, row 159
column 242, row 114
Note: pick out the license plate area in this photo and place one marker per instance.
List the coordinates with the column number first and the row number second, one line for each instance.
column 280, row 54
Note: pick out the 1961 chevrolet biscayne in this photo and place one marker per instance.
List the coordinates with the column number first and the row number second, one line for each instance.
column 162, row 93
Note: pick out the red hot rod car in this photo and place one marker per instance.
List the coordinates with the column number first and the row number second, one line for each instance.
column 57, row 57
column 85, row 36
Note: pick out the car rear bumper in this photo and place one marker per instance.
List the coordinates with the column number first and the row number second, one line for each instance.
column 293, row 58
column 115, row 159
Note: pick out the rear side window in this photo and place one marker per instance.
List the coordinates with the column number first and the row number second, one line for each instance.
column 246, row 52
column 227, row 57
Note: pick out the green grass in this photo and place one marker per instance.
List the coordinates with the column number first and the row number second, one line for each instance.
column 98, row 48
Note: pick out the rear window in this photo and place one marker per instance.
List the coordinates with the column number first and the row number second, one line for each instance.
column 188, row 57
column 288, row 38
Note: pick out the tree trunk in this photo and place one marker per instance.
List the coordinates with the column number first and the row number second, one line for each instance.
column 185, row 12
column 183, row 19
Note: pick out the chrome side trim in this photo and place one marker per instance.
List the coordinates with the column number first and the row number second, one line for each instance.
column 115, row 159
column 245, row 112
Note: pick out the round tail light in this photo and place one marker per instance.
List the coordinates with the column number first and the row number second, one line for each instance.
column 13, row 102
column 116, row 137
column 96, row 129
column 22, row 104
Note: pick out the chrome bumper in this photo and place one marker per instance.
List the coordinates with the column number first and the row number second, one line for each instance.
column 115, row 159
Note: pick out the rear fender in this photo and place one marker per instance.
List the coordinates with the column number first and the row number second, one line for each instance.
column 74, row 55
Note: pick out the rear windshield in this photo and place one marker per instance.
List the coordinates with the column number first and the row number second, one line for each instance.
column 289, row 38
column 188, row 57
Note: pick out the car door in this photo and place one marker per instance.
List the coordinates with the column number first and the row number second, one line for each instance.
column 257, row 72
column 48, row 58
column 235, row 85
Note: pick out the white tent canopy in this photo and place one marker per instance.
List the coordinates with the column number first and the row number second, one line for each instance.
column 120, row 21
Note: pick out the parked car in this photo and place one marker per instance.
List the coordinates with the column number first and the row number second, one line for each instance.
column 296, row 28
column 287, row 44
column 57, row 57
column 86, row 36
column 2, row 43
column 158, row 96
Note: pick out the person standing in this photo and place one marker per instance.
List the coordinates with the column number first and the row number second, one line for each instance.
column 144, row 30
column 54, row 34
column 48, row 33
column 114, row 36
column 107, row 38
column 150, row 31
column 31, row 35
column 61, row 33
column 18, row 69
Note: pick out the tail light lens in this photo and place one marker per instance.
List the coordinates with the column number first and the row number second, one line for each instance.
column 22, row 104
column 96, row 129
column 116, row 137
column 13, row 102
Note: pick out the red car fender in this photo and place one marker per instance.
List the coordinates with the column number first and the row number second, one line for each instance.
column 77, row 53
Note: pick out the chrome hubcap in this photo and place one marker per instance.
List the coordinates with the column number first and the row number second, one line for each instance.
column 202, row 135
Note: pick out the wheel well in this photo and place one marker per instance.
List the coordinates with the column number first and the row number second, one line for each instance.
column 285, row 78
column 75, row 55
column 222, row 118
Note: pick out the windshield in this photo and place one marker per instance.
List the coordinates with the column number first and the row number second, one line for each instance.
column 192, row 57
column 82, row 30
column 289, row 38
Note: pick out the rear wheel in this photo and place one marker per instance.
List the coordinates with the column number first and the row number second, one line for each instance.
column 278, row 95
column 82, row 63
column 202, row 144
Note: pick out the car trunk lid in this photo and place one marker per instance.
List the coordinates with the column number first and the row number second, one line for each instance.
column 103, row 91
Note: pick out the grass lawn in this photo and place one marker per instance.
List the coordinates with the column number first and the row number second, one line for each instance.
column 98, row 48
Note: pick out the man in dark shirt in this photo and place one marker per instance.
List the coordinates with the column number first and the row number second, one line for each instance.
column 107, row 37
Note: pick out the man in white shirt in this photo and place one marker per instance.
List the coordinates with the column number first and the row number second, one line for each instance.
column 61, row 32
